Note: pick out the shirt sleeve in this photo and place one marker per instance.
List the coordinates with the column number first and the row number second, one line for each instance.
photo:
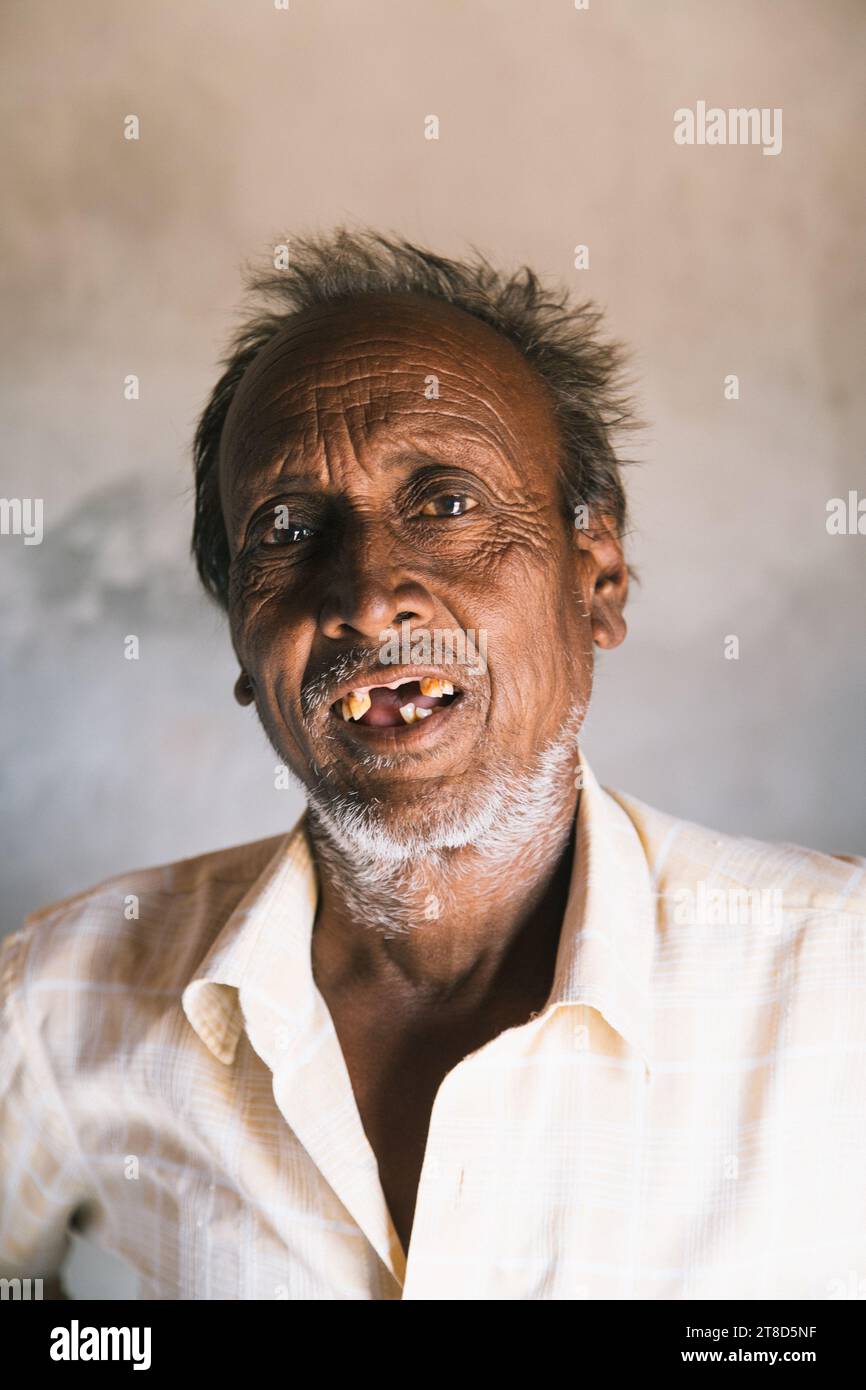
column 42, row 1182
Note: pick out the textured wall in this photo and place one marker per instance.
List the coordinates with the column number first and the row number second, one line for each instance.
column 556, row 129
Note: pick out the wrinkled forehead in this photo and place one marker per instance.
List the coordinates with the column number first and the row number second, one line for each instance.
column 399, row 361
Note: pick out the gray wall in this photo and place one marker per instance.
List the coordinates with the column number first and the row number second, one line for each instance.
column 556, row 129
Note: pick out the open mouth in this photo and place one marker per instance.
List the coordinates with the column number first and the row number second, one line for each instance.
column 396, row 705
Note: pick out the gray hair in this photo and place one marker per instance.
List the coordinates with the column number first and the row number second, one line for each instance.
column 583, row 372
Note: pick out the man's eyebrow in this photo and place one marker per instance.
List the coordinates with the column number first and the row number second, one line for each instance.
column 417, row 458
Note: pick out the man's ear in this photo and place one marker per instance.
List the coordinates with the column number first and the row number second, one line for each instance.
column 244, row 689
column 604, row 580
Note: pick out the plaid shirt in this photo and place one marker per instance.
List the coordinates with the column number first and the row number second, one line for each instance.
column 686, row 1117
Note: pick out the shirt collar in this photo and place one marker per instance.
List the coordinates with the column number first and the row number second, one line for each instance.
column 262, row 956
column 608, row 933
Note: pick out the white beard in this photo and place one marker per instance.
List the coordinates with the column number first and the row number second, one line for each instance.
column 393, row 877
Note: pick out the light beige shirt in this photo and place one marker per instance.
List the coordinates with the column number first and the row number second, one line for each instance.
column 685, row 1119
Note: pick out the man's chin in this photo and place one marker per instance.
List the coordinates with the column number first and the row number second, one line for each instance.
column 404, row 829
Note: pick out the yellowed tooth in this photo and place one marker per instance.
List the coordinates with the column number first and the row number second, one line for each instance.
column 356, row 705
column 431, row 685
column 421, row 713
column 408, row 713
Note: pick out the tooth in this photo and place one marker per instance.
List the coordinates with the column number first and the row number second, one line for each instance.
column 412, row 713
column 357, row 704
column 431, row 685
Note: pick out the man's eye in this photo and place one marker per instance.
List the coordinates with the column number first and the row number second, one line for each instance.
column 290, row 534
column 449, row 504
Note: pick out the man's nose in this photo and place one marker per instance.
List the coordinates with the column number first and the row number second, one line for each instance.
column 369, row 590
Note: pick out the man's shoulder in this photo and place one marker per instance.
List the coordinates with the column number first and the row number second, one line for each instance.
column 684, row 855
column 141, row 929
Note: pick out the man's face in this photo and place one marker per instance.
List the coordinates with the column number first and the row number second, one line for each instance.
column 388, row 468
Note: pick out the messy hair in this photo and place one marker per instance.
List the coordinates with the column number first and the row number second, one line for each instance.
column 583, row 371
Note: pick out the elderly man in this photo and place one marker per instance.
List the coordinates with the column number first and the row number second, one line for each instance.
column 475, row 1028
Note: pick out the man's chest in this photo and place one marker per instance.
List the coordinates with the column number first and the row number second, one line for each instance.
column 554, row 1170
column 396, row 1066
